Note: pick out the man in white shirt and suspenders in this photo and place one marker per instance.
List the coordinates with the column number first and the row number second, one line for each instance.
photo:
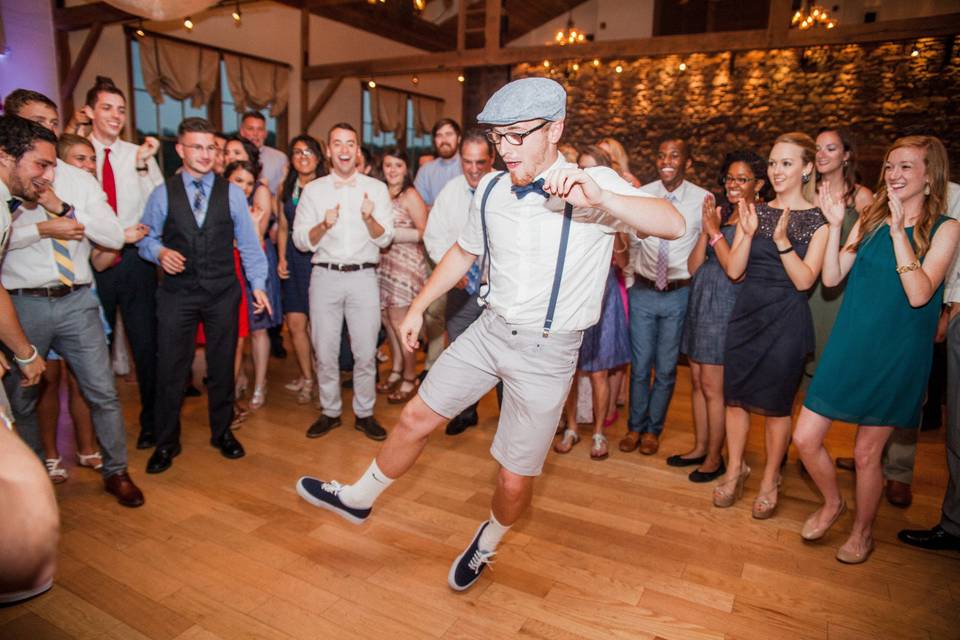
column 546, row 229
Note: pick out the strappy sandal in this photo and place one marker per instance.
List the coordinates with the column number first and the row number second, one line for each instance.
column 90, row 460
column 239, row 415
column 401, row 397
column 306, row 392
column 391, row 383
column 723, row 496
column 55, row 470
column 600, row 450
column 567, row 442
column 763, row 506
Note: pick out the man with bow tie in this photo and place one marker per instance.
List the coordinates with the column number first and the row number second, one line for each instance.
column 344, row 219
column 546, row 234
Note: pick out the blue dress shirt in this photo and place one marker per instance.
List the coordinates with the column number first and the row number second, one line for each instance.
column 248, row 243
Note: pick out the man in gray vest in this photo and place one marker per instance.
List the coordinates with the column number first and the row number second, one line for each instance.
column 194, row 219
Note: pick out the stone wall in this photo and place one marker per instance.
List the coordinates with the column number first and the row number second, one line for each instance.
column 724, row 101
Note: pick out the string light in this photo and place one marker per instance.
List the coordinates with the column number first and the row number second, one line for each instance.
column 188, row 23
column 140, row 33
column 596, row 62
column 415, row 80
column 546, row 64
column 576, row 66
column 372, row 84
column 683, row 66
column 236, row 13
column 618, row 68
column 460, row 78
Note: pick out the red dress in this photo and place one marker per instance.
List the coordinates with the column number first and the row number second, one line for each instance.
column 243, row 322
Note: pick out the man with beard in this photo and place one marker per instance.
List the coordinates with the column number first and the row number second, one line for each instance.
column 546, row 230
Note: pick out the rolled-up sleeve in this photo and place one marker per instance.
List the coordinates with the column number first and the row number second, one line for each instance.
column 154, row 217
column 101, row 225
column 383, row 213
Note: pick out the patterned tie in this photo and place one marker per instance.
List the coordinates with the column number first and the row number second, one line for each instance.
column 663, row 255
column 109, row 181
column 473, row 279
column 198, row 211
column 534, row 187
column 61, row 255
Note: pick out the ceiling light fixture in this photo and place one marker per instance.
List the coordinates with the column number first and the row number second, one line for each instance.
column 236, row 13
column 188, row 24
column 812, row 15
column 571, row 35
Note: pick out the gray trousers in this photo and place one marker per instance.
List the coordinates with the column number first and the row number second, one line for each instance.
column 899, row 455
column 354, row 296
column 950, row 520
column 71, row 326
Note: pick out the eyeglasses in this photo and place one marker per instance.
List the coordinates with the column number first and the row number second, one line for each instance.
column 306, row 153
column 199, row 148
column 513, row 137
column 739, row 180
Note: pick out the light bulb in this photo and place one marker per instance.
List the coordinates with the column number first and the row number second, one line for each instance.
column 618, row 68
column 683, row 66
column 188, row 23
column 372, row 84
column 460, row 78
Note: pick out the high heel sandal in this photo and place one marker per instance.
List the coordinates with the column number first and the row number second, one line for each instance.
column 567, row 442
column 399, row 396
column 811, row 533
column 55, row 470
column 724, row 498
column 391, row 383
column 763, row 507
column 295, row 385
column 259, row 397
column 91, row 460
column 306, row 392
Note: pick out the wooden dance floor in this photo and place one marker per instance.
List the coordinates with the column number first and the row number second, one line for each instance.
column 625, row 548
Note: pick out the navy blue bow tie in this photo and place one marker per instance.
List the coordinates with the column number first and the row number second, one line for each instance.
column 534, row 187
column 13, row 204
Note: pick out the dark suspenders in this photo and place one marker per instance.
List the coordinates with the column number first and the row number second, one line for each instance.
column 561, row 254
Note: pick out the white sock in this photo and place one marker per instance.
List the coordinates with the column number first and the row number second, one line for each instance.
column 492, row 534
column 362, row 493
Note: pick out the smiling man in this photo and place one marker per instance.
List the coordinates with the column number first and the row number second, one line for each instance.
column 548, row 229
column 658, row 305
column 344, row 219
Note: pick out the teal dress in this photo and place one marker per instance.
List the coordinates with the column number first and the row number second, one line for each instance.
column 875, row 366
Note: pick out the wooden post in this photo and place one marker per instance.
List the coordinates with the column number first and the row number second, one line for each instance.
column 305, row 50
column 491, row 31
column 462, row 25
column 83, row 57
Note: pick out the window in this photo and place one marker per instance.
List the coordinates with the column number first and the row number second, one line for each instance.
column 415, row 146
column 162, row 120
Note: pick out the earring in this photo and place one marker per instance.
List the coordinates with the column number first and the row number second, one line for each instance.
column 844, row 164
column 805, row 178
column 926, row 189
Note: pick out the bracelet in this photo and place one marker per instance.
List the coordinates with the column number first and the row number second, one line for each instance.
column 25, row 361
column 906, row 268
column 715, row 238
column 785, row 251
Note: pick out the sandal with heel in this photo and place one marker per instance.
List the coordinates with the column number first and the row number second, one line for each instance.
column 723, row 497
column 391, row 383
column 600, row 449
column 763, row 507
column 90, row 460
column 399, row 396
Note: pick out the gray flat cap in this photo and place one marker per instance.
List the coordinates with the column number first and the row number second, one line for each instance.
column 525, row 99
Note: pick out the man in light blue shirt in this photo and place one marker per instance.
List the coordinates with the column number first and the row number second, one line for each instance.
column 194, row 220
column 433, row 176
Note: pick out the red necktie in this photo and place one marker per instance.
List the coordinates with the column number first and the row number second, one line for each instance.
column 109, row 182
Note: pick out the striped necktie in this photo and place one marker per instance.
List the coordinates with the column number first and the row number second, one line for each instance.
column 61, row 255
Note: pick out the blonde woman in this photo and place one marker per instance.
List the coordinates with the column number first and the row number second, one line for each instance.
column 618, row 159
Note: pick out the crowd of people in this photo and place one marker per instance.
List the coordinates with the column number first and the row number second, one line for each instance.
column 783, row 269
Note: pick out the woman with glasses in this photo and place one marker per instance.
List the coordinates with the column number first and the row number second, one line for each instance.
column 293, row 265
column 712, row 296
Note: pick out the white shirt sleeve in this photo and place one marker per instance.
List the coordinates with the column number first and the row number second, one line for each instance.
column 437, row 232
column 309, row 214
column 382, row 213
column 471, row 237
column 609, row 180
column 101, row 225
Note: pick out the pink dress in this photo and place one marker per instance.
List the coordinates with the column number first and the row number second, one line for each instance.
column 403, row 266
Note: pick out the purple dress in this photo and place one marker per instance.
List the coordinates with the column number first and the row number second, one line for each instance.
column 607, row 344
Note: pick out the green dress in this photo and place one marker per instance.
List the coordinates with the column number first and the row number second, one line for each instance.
column 875, row 366
column 825, row 303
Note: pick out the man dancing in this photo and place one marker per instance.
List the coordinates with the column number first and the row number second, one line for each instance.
column 547, row 237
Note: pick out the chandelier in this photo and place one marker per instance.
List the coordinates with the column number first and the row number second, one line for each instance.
column 810, row 16
column 571, row 35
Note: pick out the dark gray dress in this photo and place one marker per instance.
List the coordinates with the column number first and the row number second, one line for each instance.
column 712, row 296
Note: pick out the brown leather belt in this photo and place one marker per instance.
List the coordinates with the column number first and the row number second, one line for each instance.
column 672, row 285
column 346, row 267
column 57, row 291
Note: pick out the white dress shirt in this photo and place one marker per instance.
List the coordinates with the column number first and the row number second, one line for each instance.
column 448, row 217
column 4, row 217
column 524, row 239
column 347, row 241
column 30, row 261
column 688, row 200
column 951, row 291
column 133, row 188
column 273, row 167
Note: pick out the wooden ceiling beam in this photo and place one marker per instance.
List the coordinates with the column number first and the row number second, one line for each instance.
column 83, row 57
column 84, row 16
column 933, row 26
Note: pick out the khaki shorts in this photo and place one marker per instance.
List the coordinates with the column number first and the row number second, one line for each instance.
column 536, row 374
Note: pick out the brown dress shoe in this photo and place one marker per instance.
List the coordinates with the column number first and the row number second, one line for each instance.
column 899, row 494
column 649, row 444
column 121, row 486
column 630, row 441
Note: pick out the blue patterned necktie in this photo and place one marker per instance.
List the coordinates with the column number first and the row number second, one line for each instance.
column 534, row 187
column 198, row 198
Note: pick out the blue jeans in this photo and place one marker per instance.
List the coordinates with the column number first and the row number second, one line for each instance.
column 656, row 326
column 72, row 326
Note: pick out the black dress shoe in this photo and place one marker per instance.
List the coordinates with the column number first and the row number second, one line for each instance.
column 680, row 461
column 146, row 440
column 322, row 426
column 162, row 458
column 935, row 539
column 229, row 446
column 708, row 476
column 371, row 428
column 461, row 423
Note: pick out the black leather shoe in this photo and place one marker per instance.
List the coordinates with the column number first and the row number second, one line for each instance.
column 146, row 440
column 162, row 458
column 935, row 539
column 461, row 423
column 708, row 476
column 322, row 426
column 229, row 446
column 371, row 428
column 679, row 461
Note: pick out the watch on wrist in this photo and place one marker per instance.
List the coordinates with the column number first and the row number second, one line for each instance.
column 65, row 209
